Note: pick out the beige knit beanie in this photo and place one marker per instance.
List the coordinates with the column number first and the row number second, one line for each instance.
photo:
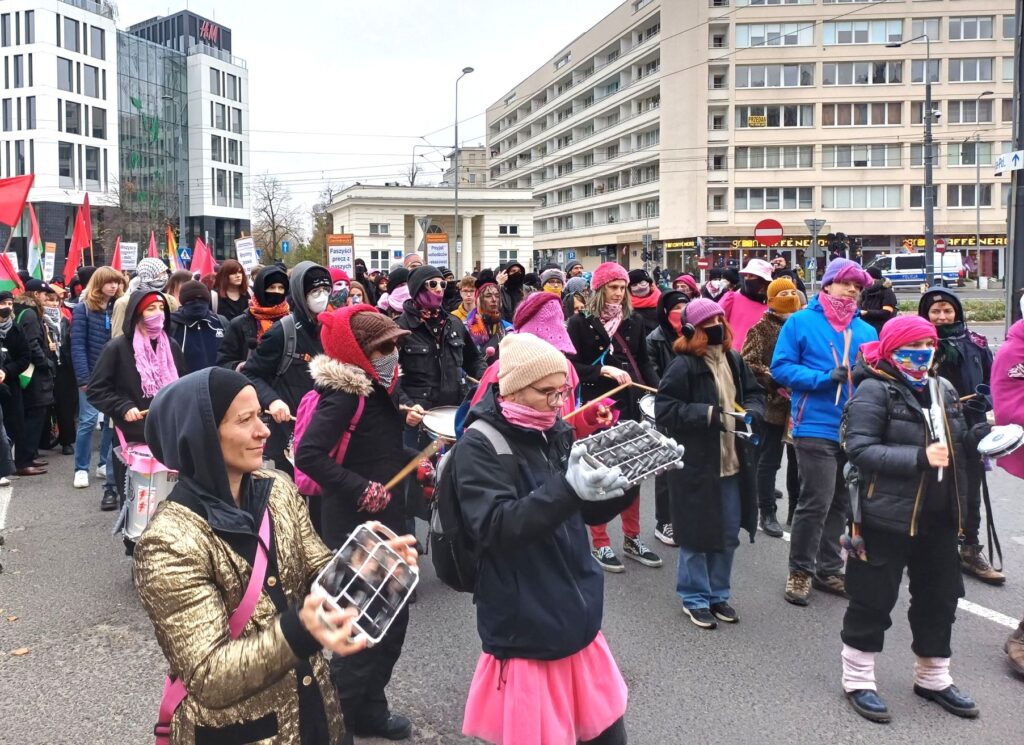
column 525, row 359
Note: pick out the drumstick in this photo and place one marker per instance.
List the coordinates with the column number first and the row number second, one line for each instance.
column 847, row 339
column 644, row 387
column 472, row 380
column 408, row 468
column 268, row 413
column 839, row 386
column 144, row 412
column 596, row 401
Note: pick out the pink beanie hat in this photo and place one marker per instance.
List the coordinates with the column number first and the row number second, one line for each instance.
column 540, row 314
column 897, row 332
column 396, row 300
column 607, row 272
column 699, row 310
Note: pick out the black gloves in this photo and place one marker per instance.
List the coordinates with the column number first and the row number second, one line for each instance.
column 840, row 375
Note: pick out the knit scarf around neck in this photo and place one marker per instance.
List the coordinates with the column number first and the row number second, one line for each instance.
column 611, row 317
column 156, row 366
column 718, row 362
column 949, row 335
column 482, row 330
column 839, row 311
column 266, row 315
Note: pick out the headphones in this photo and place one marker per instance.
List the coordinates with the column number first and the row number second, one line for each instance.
column 688, row 329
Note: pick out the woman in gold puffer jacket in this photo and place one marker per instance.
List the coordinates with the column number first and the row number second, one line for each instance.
column 193, row 563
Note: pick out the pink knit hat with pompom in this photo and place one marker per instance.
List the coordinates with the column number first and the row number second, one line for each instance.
column 540, row 314
column 607, row 272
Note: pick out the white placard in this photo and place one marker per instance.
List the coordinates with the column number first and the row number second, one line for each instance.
column 245, row 251
column 340, row 257
column 14, row 260
column 129, row 256
column 49, row 259
column 437, row 254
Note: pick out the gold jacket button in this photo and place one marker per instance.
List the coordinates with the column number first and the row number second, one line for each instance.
column 271, row 581
column 307, row 681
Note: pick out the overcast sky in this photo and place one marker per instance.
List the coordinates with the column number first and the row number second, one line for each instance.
column 341, row 91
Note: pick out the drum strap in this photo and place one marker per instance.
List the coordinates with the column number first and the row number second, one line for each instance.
column 994, row 549
column 174, row 690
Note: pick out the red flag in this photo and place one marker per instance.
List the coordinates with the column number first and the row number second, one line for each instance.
column 202, row 259
column 9, row 279
column 13, row 195
column 88, row 218
column 79, row 240
column 115, row 261
column 152, row 246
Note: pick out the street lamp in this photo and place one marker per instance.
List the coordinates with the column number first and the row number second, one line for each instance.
column 184, row 165
column 929, row 196
column 455, row 163
column 977, row 181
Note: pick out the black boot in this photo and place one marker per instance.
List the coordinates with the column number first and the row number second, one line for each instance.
column 109, row 501
column 769, row 524
column 395, row 727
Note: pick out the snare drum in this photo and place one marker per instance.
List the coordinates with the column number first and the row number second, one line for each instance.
column 439, row 423
column 647, row 407
column 1002, row 440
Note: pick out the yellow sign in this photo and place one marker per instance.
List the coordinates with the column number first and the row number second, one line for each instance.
column 685, row 243
column 958, row 241
column 758, row 120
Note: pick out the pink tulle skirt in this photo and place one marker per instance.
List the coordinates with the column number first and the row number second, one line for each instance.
column 546, row 702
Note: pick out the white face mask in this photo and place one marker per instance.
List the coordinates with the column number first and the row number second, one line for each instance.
column 316, row 301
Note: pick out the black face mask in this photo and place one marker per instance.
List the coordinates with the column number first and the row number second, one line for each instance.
column 6, row 312
column 715, row 334
column 755, row 289
column 273, row 298
column 515, row 281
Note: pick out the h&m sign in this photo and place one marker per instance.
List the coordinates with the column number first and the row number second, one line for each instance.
column 209, row 31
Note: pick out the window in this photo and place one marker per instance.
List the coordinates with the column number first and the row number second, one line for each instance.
column 379, row 260
column 72, row 118
column 861, row 73
column 1007, row 69
column 970, row 70
column 8, row 115
column 774, row 156
column 220, row 112
column 99, row 123
column 70, row 40
column 861, row 114
column 742, row 3
column 772, row 198
column 917, row 154
column 716, row 203
column 231, row 87
column 862, row 197
column 216, row 148
column 91, row 80
column 508, row 230
column 964, row 195
column 774, row 76
column 1009, row 26
column 97, row 43
column 236, row 190
column 970, row 28
column 861, row 156
column 774, row 35
column 969, row 153
column 19, row 71
column 925, row 27
column 505, row 255
column 236, row 121
column 562, row 61
column 648, row 139
column 862, row 32
column 380, row 228
column 65, row 163
column 233, row 153
column 917, row 70
column 30, row 112
column 1007, row 113
column 5, row 30
column 92, row 168
column 19, row 158
column 774, row 116
column 65, row 75
column 972, row 111
column 215, row 81
column 917, row 111
column 917, row 196
column 221, row 186
column 30, row 26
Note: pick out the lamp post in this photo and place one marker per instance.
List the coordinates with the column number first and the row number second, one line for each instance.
column 977, row 182
column 929, row 195
column 184, row 165
column 455, row 163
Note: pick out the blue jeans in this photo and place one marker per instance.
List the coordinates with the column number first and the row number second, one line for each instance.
column 87, row 418
column 704, row 579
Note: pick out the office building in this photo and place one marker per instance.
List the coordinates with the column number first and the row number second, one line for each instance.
column 692, row 121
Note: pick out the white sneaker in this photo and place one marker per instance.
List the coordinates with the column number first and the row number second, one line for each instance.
column 81, row 479
column 101, row 472
column 4, row 481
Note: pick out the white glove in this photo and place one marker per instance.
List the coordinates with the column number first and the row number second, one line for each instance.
column 680, row 450
column 593, row 484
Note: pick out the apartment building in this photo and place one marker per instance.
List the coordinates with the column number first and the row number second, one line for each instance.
column 473, row 168
column 692, row 121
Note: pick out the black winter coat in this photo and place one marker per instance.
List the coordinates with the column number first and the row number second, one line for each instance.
column 591, row 340
column 39, row 392
column 115, row 386
column 433, row 373
column 686, row 407
column 199, row 338
column 261, row 367
column 16, row 357
column 374, row 453
column 239, row 342
column 659, row 341
column 539, row 593
column 886, row 437
column 872, row 301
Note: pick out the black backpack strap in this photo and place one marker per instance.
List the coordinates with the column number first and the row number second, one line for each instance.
column 290, row 344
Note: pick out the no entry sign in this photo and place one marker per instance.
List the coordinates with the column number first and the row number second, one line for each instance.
column 768, row 232
column 703, row 263
column 940, row 245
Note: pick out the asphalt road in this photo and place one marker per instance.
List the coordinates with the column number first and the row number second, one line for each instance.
column 93, row 672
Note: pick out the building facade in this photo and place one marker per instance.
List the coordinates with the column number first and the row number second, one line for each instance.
column 495, row 227
column 691, row 122
column 473, row 168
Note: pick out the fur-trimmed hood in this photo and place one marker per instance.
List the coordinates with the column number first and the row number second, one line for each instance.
column 328, row 372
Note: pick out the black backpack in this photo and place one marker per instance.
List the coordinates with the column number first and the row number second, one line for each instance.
column 455, row 558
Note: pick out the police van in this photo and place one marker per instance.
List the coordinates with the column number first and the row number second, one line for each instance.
column 907, row 270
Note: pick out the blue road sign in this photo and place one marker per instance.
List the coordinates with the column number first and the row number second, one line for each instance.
column 570, row 255
column 184, row 256
column 284, row 247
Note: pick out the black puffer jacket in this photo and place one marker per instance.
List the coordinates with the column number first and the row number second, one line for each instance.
column 686, row 407
column 39, row 391
column 374, row 452
column 539, row 593
column 874, row 299
column 240, row 335
column 591, row 340
column 433, row 372
column 659, row 342
column 886, row 437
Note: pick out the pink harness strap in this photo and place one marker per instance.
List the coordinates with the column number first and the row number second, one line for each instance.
column 174, row 690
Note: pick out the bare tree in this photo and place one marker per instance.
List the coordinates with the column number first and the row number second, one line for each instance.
column 276, row 218
column 412, row 172
column 323, row 225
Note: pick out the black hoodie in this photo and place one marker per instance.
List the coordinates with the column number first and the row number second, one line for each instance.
column 240, row 335
column 115, row 386
column 660, row 341
column 963, row 357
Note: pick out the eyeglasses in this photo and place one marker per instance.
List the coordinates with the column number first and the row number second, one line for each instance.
column 436, row 284
column 555, row 396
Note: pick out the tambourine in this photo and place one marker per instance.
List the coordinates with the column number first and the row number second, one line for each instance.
column 1002, row 440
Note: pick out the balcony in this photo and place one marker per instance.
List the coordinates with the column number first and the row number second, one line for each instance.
column 104, row 9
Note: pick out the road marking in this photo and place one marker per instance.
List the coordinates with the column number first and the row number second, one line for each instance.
column 979, row 610
column 5, row 499
column 1019, row 539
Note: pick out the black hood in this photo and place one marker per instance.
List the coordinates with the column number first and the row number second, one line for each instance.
column 181, row 431
column 298, row 278
column 132, row 312
column 267, row 276
column 937, row 294
column 666, row 302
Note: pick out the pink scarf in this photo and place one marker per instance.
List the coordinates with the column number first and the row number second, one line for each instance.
column 156, row 366
column 611, row 317
column 839, row 311
column 528, row 417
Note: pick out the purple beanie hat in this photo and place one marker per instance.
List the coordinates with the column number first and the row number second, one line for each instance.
column 844, row 270
column 607, row 272
column 540, row 314
column 699, row 310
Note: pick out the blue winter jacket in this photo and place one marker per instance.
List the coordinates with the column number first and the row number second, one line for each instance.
column 90, row 332
column 803, row 362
